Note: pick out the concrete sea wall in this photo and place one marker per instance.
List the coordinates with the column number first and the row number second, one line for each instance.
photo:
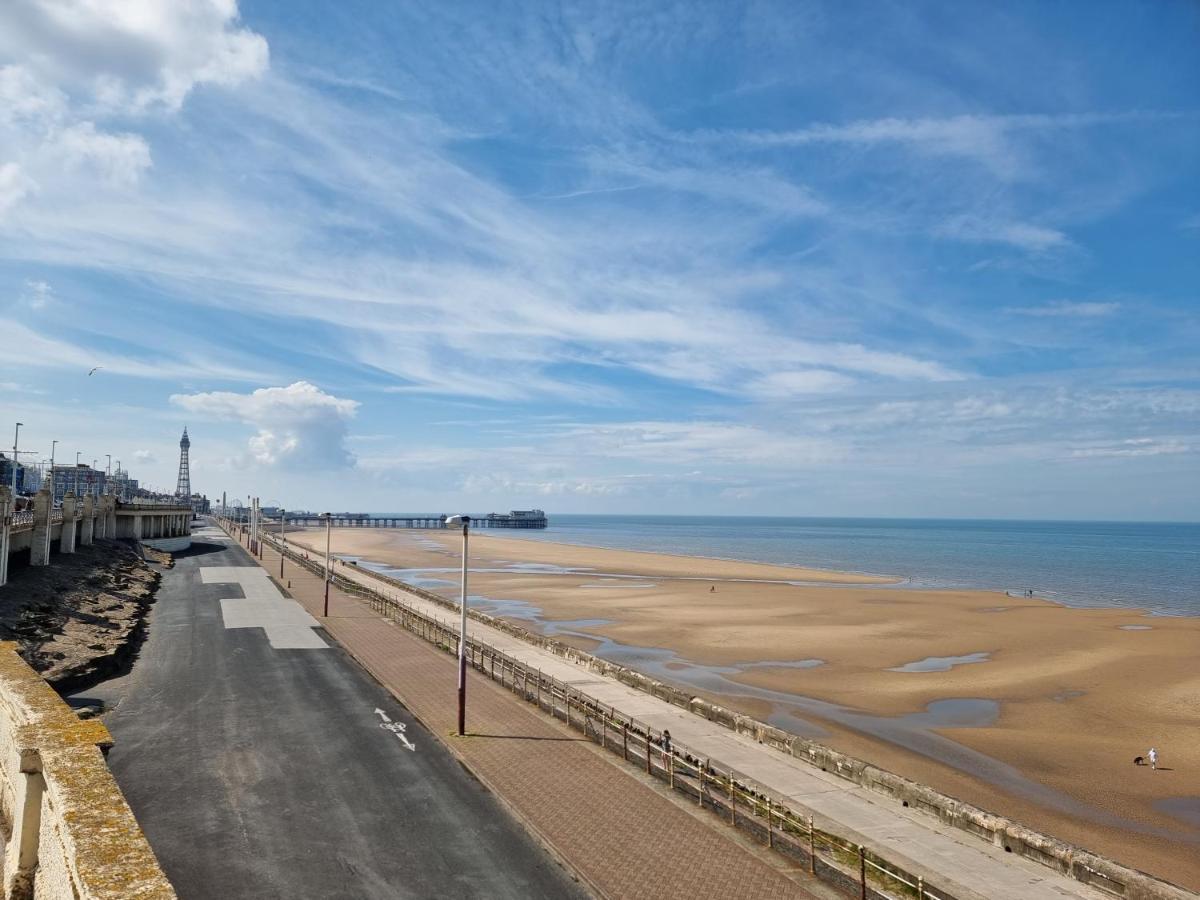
column 68, row 832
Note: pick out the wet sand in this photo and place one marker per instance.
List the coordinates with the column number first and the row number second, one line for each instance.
column 1067, row 696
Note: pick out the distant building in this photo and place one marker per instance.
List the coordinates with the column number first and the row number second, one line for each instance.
column 517, row 518
column 6, row 474
column 82, row 480
column 122, row 486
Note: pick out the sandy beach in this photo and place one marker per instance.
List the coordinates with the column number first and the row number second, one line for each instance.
column 1049, row 705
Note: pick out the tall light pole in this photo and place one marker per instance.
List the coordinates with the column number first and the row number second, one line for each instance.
column 282, row 539
column 92, row 482
column 465, row 522
column 16, row 440
column 53, row 485
column 328, row 517
column 78, row 453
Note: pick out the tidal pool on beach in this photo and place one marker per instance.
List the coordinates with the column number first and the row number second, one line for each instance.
column 795, row 713
column 941, row 663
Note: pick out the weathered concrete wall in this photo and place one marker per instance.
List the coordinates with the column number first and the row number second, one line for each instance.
column 69, row 834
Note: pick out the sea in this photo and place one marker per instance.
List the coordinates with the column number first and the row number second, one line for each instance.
column 1155, row 566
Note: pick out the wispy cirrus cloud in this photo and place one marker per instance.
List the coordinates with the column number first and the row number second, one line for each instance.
column 1078, row 309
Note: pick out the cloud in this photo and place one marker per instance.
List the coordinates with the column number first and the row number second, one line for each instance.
column 298, row 426
column 1133, row 447
column 986, row 139
column 14, row 185
column 808, row 381
column 144, row 456
column 131, row 56
column 1069, row 309
column 1034, row 238
column 37, row 294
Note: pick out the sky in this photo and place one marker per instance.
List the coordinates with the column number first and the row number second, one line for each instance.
column 830, row 259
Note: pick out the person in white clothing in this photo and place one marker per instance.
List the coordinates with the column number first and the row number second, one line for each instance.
column 1153, row 757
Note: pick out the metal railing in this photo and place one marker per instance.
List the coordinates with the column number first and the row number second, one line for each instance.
column 740, row 800
column 25, row 517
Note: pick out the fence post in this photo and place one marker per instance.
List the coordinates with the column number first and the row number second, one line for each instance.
column 812, row 848
column 603, row 730
column 671, row 771
column 920, row 888
column 539, row 689
column 862, row 870
column 625, row 741
column 770, row 833
column 649, row 771
column 732, row 801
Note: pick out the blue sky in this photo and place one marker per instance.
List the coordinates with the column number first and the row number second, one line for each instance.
column 772, row 258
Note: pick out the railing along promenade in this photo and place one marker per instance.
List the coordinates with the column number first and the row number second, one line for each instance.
column 713, row 785
column 781, row 823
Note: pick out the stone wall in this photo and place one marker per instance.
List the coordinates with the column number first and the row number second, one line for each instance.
column 68, row 832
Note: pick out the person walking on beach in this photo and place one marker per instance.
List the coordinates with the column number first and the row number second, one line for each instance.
column 1153, row 757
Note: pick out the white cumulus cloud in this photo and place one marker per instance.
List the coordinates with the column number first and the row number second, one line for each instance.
column 298, row 425
column 130, row 56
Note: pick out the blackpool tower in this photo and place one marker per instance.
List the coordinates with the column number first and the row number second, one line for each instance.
column 183, row 487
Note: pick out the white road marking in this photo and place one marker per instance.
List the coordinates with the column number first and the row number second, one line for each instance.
column 396, row 728
column 287, row 625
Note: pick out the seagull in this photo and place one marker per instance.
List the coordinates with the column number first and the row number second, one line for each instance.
column 95, row 369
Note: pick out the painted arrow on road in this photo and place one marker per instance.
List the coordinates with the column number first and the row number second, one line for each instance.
column 396, row 728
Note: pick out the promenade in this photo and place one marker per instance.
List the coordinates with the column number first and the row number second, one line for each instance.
column 622, row 835
column 956, row 862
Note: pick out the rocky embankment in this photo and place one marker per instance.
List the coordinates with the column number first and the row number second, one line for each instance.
column 79, row 619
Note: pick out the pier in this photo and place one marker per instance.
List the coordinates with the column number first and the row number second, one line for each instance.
column 517, row 518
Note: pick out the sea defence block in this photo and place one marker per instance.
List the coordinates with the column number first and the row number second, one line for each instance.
column 72, row 836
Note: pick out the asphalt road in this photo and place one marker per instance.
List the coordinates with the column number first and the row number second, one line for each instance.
column 265, row 772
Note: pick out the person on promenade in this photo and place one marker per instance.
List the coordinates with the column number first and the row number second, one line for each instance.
column 1153, row 757
column 666, row 744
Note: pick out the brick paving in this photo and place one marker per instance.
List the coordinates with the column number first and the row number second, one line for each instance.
column 619, row 834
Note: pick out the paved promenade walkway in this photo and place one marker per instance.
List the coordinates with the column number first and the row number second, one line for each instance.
column 968, row 868
column 623, row 836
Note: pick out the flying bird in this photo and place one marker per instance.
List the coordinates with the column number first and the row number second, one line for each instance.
column 95, row 369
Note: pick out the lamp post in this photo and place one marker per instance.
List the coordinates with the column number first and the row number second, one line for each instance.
column 465, row 522
column 328, row 517
column 53, row 485
column 78, row 453
column 92, row 482
column 282, row 539
column 16, row 440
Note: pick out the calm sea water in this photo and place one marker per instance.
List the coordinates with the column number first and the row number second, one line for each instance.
column 1151, row 565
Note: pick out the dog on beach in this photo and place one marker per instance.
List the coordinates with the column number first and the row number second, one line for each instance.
column 1139, row 760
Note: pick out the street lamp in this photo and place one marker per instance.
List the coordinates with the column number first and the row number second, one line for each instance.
column 282, row 539
column 78, row 453
column 465, row 522
column 16, row 440
column 53, row 484
column 328, row 517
